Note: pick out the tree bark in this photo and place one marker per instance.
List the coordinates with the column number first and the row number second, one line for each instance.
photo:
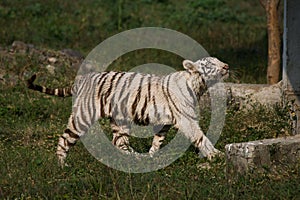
column 274, row 40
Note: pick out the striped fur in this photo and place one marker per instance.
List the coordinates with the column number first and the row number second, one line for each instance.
column 144, row 99
column 60, row 92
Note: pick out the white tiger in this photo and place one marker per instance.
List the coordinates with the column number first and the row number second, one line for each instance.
column 126, row 97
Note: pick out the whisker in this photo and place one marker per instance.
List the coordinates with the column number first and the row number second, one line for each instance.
column 234, row 76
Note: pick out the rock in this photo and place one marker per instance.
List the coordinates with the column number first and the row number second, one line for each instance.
column 51, row 69
column 18, row 46
column 262, row 156
column 52, row 60
column 2, row 78
column 73, row 53
column 249, row 94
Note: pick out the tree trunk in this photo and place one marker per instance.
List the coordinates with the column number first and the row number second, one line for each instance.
column 274, row 40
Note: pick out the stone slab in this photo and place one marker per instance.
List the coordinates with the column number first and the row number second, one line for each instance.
column 269, row 155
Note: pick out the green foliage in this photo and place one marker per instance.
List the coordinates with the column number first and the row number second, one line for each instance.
column 234, row 31
column 209, row 11
column 257, row 123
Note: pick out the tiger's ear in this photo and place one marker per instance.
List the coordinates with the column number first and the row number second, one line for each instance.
column 189, row 65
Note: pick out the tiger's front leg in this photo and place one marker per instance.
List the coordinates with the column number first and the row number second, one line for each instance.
column 194, row 133
column 121, row 138
column 206, row 148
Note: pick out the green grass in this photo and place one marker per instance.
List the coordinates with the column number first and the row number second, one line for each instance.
column 234, row 31
column 30, row 129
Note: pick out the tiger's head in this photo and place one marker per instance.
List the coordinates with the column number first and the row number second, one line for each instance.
column 210, row 68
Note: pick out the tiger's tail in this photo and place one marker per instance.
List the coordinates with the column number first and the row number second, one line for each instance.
column 60, row 92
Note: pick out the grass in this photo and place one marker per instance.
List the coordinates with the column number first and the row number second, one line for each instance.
column 33, row 122
column 234, row 31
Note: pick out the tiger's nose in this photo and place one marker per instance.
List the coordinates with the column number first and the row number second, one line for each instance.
column 226, row 67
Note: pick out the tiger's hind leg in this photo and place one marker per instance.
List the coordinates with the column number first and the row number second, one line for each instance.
column 121, row 137
column 65, row 141
column 68, row 139
column 156, row 143
column 158, row 138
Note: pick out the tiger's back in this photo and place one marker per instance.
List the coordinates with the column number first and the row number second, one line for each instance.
column 133, row 97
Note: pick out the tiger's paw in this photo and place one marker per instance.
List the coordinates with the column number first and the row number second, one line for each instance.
column 215, row 155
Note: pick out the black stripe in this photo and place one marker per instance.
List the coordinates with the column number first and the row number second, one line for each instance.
column 115, row 130
column 84, row 82
column 71, row 134
column 119, row 79
column 66, row 143
column 191, row 92
column 100, row 76
column 102, row 111
column 73, row 123
column 94, row 75
column 111, row 86
column 93, row 108
column 134, row 105
column 197, row 142
column 144, row 106
column 155, row 108
column 86, row 105
column 70, row 143
column 125, row 86
column 30, row 81
column 38, row 88
column 146, row 103
column 149, row 87
column 80, row 85
column 114, row 102
column 60, row 92
column 144, row 119
column 85, row 119
column 90, row 105
column 125, row 90
column 166, row 96
column 174, row 104
column 170, row 97
column 82, row 127
column 63, row 146
column 105, row 76
column 117, row 82
column 49, row 91
column 137, row 99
